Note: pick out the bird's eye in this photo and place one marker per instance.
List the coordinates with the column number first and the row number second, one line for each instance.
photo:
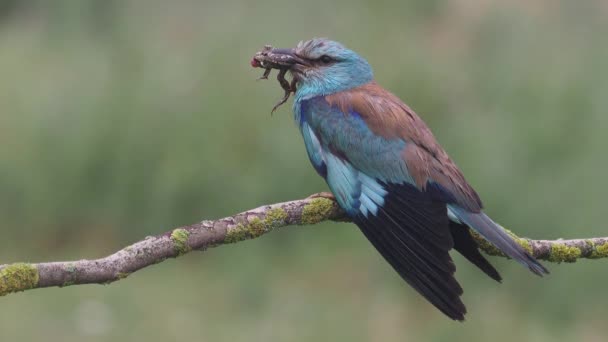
column 325, row 59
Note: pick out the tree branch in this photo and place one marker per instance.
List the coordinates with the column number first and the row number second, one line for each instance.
column 247, row 225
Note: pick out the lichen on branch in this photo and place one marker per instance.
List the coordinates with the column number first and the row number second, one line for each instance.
column 18, row 277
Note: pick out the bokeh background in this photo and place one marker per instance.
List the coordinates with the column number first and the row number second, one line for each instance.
column 121, row 119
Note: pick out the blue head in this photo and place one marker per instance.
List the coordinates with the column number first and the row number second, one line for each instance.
column 322, row 66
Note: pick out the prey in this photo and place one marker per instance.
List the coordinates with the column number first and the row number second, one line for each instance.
column 269, row 59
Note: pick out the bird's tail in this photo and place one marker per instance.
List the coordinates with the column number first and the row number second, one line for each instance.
column 496, row 235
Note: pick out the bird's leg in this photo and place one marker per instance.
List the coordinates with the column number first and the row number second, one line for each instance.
column 286, row 86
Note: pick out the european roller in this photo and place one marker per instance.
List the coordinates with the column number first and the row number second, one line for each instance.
column 387, row 171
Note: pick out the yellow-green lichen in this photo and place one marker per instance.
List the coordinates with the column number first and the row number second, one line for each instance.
column 317, row 210
column 18, row 277
column 599, row 251
column 255, row 226
column 521, row 241
column 562, row 253
column 525, row 244
column 275, row 217
column 236, row 234
column 485, row 245
column 180, row 241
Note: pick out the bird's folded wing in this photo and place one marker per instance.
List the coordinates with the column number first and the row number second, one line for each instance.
column 385, row 120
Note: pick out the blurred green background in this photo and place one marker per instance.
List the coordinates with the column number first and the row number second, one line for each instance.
column 121, row 119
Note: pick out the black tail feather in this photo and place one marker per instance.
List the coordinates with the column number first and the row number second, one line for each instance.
column 411, row 232
column 465, row 245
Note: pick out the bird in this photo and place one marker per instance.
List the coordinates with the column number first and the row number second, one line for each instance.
column 389, row 174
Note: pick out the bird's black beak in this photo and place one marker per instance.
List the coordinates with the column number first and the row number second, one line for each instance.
column 270, row 58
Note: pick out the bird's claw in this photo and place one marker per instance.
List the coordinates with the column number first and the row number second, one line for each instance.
column 324, row 194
